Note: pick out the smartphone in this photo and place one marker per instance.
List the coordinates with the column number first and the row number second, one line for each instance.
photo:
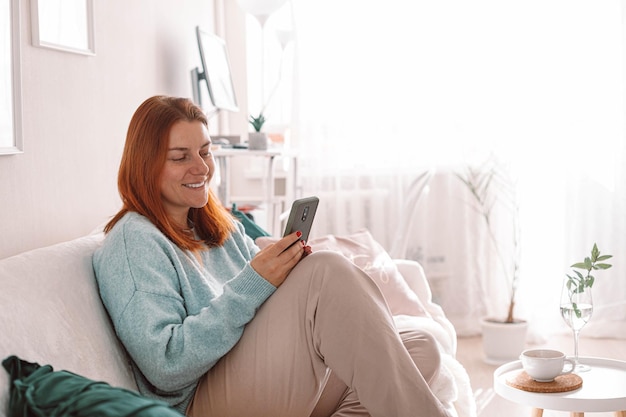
column 301, row 216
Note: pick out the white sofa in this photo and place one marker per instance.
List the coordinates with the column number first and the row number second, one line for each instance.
column 50, row 313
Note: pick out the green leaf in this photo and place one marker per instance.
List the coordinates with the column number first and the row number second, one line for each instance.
column 257, row 122
column 595, row 252
column 589, row 264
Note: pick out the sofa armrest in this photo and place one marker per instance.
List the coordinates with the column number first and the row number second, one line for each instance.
column 413, row 274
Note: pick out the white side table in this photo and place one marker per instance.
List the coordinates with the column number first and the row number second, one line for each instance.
column 223, row 157
column 603, row 389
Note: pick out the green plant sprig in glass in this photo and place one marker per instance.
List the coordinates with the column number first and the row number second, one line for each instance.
column 577, row 283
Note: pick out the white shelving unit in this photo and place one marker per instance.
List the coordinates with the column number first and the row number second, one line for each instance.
column 267, row 179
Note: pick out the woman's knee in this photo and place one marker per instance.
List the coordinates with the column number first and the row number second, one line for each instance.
column 328, row 264
column 342, row 273
column 328, row 258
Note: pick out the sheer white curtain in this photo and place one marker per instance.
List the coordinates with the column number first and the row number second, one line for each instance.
column 383, row 90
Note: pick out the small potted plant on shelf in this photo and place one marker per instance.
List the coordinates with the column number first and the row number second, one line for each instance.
column 491, row 186
column 257, row 140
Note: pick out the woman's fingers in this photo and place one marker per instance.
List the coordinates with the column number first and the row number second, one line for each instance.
column 288, row 241
column 276, row 261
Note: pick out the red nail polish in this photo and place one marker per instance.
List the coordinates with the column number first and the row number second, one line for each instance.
column 299, row 233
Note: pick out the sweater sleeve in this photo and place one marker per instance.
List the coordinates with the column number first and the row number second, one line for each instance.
column 174, row 320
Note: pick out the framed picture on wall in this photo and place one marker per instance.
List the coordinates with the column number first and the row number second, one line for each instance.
column 65, row 25
column 10, row 79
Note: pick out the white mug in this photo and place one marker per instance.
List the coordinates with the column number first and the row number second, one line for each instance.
column 543, row 365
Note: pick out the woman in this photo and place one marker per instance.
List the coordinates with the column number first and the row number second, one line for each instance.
column 217, row 327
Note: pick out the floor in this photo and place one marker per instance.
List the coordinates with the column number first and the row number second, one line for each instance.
column 489, row 404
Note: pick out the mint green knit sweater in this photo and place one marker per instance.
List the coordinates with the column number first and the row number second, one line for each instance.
column 176, row 317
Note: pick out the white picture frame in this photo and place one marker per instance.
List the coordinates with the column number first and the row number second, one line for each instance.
column 64, row 25
column 10, row 79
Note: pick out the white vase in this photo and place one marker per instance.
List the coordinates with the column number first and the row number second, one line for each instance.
column 503, row 342
column 257, row 141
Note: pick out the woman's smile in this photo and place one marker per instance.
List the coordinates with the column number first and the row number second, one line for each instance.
column 196, row 185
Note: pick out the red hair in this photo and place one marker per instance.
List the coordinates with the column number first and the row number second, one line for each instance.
column 140, row 171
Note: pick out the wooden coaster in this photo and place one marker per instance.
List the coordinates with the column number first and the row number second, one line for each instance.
column 561, row 383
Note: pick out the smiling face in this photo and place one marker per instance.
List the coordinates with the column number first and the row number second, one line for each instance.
column 188, row 169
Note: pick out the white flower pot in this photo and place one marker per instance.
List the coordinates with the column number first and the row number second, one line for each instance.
column 503, row 342
column 257, row 141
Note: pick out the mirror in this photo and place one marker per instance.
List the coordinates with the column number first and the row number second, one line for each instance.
column 10, row 79
column 65, row 25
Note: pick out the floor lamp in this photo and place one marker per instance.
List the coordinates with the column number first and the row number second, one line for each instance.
column 261, row 10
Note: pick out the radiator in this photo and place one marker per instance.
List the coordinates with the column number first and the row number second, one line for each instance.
column 348, row 211
column 384, row 205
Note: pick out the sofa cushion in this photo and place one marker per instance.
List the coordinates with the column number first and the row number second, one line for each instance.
column 41, row 391
column 251, row 228
column 50, row 312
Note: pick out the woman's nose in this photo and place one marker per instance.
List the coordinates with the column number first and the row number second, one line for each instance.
column 200, row 166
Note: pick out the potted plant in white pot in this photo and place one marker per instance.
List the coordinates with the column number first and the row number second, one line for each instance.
column 257, row 140
column 491, row 186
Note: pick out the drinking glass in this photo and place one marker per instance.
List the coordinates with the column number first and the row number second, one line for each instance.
column 576, row 310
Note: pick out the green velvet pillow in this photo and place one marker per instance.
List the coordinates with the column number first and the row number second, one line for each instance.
column 40, row 391
column 252, row 229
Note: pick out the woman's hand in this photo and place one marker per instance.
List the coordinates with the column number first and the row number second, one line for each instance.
column 277, row 260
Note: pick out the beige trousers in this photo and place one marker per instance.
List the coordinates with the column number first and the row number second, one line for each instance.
column 324, row 344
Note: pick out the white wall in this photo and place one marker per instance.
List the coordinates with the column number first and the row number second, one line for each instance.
column 76, row 110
